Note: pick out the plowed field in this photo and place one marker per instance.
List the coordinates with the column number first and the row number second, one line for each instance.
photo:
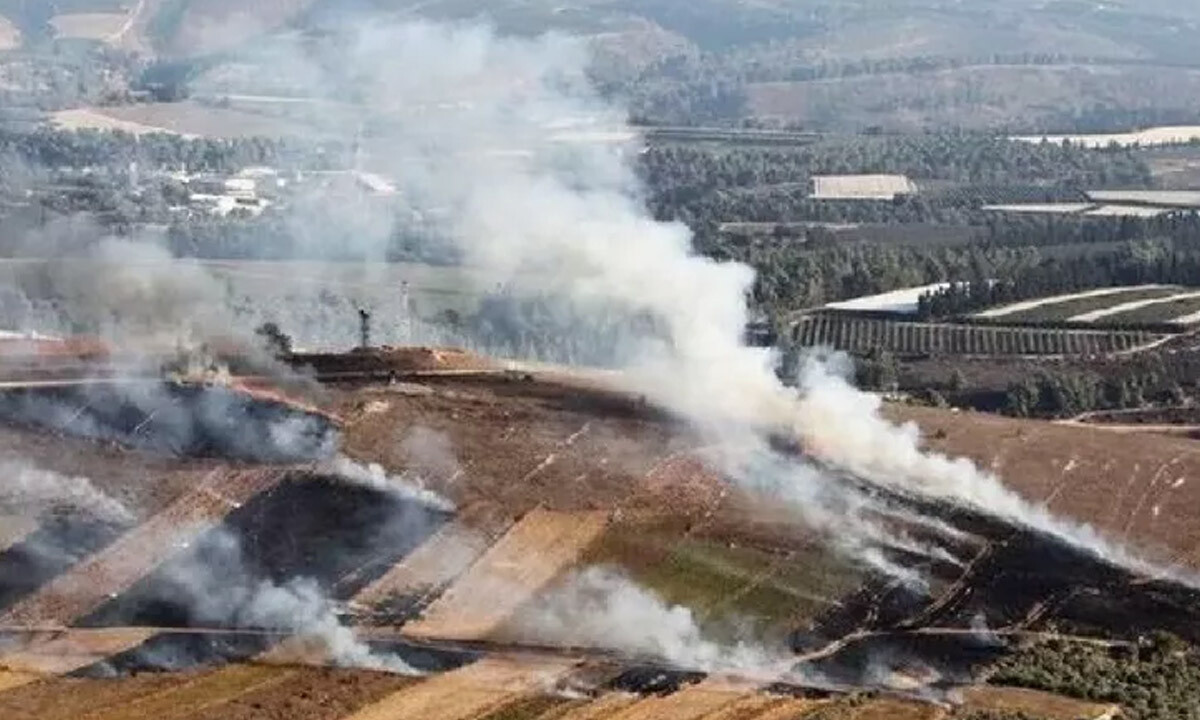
column 469, row 692
column 535, row 551
column 1143, row 488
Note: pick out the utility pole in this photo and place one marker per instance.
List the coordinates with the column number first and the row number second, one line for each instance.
column 364, row 328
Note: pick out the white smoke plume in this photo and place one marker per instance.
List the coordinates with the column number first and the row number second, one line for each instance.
column 527, row 171
column 502, row 146
column 33, row 489
column 373, row 476
column 218, row 589
column 601, row 607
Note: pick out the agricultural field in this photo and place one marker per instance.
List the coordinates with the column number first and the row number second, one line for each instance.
column 1033, row 702
column 1156, row 198
column 858, row 334
column 1043, row 208
column 1183, row 310
column 767, row 591
column 861, row 187
column 902, row 301
column 1089, row 210
column 512, row 571
column 1174, row 167
column 1173, row 135
column 1133, row 306
column 1060, row 308
column 1131, row 211
column 666, row 523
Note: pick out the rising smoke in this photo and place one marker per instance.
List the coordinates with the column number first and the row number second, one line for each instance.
column 602, row 607
column 31, row 489
column 218, row 589
column 505, row 148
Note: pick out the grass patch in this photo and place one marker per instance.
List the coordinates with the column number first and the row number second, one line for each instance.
column 722, row 582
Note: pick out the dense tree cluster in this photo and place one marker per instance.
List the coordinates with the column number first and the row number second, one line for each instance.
column 1157, row 680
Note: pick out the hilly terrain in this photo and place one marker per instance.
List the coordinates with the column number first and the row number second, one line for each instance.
column 564, row 493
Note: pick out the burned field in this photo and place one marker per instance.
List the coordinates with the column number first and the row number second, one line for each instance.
column 190, row 420
column 286, row 547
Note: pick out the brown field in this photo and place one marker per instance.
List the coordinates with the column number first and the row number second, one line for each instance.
column 438, row 560
column 71, row 650
column 522, row 444
column 697, row 701
column 1033, row 702
column 88, row 585
column 472, row 691
column 790, row 710
column 601, row 708
column 144, row 484
column 77, row 698
column 231, row 693
column 523, row 562
column 10, row 680
column 889, row 709
column 1141, row 488
column 201, row 693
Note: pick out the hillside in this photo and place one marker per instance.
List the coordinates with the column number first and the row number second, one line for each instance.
column 576, row 510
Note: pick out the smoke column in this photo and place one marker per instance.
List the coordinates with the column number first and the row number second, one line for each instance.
column 505, row 144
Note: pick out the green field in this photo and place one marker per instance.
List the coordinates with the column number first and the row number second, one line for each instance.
column 1061, row 311
column 721, row 581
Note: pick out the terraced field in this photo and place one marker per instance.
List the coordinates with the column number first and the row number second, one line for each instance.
column 861, row 334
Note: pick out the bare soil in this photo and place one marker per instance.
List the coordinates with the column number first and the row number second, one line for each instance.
column 1140, row 488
